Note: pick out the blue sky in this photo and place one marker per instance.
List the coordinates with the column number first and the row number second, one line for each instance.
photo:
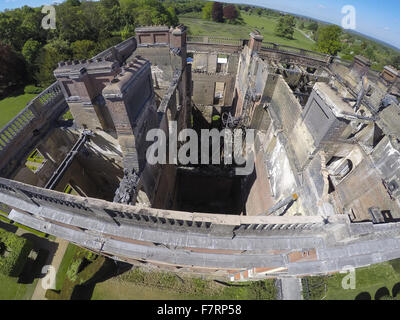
column 376, row 18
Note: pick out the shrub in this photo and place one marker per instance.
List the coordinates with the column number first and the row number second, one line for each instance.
column 33, row 90
column 91, row 256
column 78, row 278
column 314, row 287
column 16, row 251
column 263, row 290
column 395, row 265
column 348, row 57
column 90, row 271
column 72, row 272
column 67, row 116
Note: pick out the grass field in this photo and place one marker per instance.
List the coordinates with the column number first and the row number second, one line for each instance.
column 10, row 289
column 266, row 26
column 116, row 290
column 138, row 285
column 65, row 263
column 368, row 280
column 11, row 106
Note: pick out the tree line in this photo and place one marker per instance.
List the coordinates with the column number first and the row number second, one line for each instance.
column 29, row 53
column 220, row 12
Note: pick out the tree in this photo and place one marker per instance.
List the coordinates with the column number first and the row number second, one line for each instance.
column 72, row 25
column 396, row 61
column 328, row 39
column 217, row 12
column 49, row 56
column 147, row 12
column 313, row 26
column 258, row 11
column 230, row 12
column 173, row 17
column 108, row 43
column 285, row 27
column 9, row 30
column 83, row 49
column 30, row 50
column 207, row 10
column 109, row 4
column 369, row 52
column 31, row 26
column 12, row 68
column 127, row 32
column 73, row 3
column 364, row 45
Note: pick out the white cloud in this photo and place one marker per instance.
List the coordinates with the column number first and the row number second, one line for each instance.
column 321, row 6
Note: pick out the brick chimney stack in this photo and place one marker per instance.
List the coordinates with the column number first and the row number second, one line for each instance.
column 255, row 41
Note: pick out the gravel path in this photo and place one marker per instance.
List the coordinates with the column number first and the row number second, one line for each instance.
column 39, row 293
column 291, row 288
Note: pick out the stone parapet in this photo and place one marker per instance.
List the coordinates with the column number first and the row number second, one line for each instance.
column 185, row 239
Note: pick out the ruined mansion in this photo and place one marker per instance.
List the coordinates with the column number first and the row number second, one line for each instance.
column 324, row 192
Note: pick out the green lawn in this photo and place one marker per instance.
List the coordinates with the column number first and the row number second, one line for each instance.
column 137, row 285
column 266, row 26
column 11, row 106
column 10, row 289
column 65, row 263
column 368, row 280
column 113, row 289
column 67, row 116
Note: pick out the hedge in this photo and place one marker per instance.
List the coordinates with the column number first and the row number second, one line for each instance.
column 72, row 272
column 314, row 287
column 17, row 249
column 32, row 89
column 75, row 278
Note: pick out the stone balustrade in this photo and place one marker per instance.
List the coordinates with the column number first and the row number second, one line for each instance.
column 215, row 40
column 38, row 113
column 308, row 57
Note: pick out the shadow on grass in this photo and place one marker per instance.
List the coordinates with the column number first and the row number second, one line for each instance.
column 382, row 292
column 13, row 91
column 33, row 268
column 110, row 269
column 44, row 250
column 363, row 296
column 396, row 289
column 8, row 227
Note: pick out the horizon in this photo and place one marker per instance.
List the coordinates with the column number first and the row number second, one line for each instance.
column 386, row 27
